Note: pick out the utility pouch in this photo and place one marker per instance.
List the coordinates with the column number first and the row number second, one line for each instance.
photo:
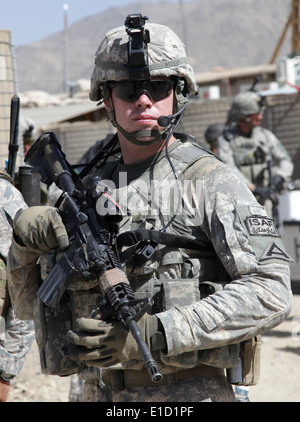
column 250, row 355
column 248, row 370
column 51, row 326
column 4, row 296
column 181, row 292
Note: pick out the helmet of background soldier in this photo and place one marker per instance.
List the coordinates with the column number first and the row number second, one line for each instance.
column 244, row 104
column 29, row 132
column 213, row 132
column 166, row 52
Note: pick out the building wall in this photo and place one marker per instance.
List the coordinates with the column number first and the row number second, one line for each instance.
column 8, row 87
column 76, row 138
column 281, row 117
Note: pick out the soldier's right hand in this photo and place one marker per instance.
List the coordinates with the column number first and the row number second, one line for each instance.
column 40, row 228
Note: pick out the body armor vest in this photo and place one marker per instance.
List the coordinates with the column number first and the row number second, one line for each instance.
column 175, row 275
column 251, row 155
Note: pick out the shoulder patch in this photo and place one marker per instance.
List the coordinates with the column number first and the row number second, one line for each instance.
column 275, row 251
column 258, row 225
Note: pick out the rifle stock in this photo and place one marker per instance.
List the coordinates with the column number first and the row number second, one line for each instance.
column 89, row 253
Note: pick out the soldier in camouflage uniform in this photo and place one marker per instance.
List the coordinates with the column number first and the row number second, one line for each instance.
column 212, row 134
column 254, row 152
column 219, row 274
column 16, row 336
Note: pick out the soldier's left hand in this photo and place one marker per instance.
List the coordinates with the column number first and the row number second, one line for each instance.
column 105, row 344
column 40, row 228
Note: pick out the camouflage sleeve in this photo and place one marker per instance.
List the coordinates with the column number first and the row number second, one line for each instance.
column 11, row 201
column 246, row 241
column 226, row 155
column 19, row 336
column 19, row 281
column 23, row 279
column 282, row 161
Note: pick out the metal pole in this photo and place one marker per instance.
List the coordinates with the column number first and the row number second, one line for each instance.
column 183, row 25
column 66, row 60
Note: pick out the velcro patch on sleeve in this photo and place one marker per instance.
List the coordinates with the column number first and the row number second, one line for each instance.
column 262, row 234
column 275, row 251
column 258, row 225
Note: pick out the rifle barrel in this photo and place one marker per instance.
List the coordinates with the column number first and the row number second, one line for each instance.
column 14, row 132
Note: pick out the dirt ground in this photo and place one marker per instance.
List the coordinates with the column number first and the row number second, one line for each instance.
column 279, row 379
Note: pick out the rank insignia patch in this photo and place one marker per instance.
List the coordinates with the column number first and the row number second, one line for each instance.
column 274, row 251
column 258, row 225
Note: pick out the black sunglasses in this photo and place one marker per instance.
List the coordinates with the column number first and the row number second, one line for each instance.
column 157, row 90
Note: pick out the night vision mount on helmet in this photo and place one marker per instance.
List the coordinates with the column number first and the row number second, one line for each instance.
column 142, row 51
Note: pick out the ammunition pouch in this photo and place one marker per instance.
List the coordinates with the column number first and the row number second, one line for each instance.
column 250, row 356
column 52, row 325
column 170, row 293
column 4, row 295
column 248, row 369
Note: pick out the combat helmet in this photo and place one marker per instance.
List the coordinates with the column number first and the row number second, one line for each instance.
column 213, row 132
column 245, row 103
column 139, row 51
column 166, row 57
column 29, row 132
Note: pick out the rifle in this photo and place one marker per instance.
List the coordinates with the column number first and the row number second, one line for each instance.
column 254, row 83
column 90, row 252
column 14, row 132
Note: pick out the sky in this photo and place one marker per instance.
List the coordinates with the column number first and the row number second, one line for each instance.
column 33, row 20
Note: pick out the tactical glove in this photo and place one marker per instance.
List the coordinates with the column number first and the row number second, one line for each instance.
column 106, row 344
column 40, row 228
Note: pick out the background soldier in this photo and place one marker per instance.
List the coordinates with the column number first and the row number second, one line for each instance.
column 208, row 268
column 254, row 151
column 29, row 132
column 16, row 336
column 212, row 134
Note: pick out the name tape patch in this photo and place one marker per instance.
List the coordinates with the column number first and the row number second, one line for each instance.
column 261, row 226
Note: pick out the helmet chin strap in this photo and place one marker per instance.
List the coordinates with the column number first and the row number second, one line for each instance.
column 156, row 134
column 133, row 137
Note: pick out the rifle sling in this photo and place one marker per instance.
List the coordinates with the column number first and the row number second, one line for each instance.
column 131, row 238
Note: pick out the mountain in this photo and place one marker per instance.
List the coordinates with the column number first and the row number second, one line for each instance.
column 217, row 33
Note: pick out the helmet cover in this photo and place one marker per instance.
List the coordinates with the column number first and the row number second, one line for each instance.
column 167, row 58
column 244, row 104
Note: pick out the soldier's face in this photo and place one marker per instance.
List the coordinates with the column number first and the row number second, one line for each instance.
column 255, row 119
column 143, row 112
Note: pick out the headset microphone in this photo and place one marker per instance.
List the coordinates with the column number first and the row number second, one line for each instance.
column 164, row 121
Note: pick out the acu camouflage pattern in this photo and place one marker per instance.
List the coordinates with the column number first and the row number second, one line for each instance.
column 16, row 336
column 167, row 58
column 245, row 103
column 250, row 155
column 4, row 296
column 215, row 205
column 220, row 203
column 11, row 201
column 16, row 344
